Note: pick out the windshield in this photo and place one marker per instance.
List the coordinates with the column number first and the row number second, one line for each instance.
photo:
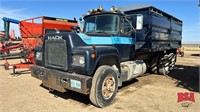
column 101, row 24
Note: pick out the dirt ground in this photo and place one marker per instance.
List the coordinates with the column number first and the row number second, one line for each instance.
column 149, row 93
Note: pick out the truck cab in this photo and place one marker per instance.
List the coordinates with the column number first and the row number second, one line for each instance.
column 96, row 61
column 110, row 29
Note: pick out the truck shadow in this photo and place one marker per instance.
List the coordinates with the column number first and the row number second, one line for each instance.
column 70, row 95
column 127, row 84
column 186, row 77
column 81, row 97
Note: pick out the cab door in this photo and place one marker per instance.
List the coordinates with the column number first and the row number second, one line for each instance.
column 126, row 47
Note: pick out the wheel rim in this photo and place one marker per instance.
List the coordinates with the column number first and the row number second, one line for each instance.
column 108, row 87
column 166, row 67
column 173, row 61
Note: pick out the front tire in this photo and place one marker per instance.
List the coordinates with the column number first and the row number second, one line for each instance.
column 104, row 86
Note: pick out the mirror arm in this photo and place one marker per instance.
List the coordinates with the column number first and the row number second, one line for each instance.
column 136, row 16
column 131, row 26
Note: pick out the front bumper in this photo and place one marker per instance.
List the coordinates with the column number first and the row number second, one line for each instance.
column 61, row 81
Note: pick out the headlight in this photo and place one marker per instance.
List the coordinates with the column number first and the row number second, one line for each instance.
column 78, row 60
column 38, row 55
column 82, row 60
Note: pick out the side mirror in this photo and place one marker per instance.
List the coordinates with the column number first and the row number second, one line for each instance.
column 139, row 22
column 75, row 29
column 80, row 19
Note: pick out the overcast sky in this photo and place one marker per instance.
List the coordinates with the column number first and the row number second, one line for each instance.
column 186, row 10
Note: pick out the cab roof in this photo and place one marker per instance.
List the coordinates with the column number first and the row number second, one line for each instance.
column 105, row 12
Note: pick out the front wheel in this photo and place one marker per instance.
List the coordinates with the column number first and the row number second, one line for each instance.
column 104, row 86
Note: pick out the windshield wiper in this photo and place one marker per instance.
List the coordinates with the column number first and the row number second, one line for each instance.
column 90, row 32
column 98, row 31
column 101, row 31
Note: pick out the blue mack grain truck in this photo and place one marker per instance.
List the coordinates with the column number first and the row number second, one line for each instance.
column 115, row 46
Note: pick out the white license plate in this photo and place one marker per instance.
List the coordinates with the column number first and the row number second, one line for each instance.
column 75, row 83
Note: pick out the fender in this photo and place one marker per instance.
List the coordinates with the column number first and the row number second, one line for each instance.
column 108, row 56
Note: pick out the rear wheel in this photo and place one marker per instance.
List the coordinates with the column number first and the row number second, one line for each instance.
column 104, row 86
column 172, row 61
column 154, row 65
column 164, row 65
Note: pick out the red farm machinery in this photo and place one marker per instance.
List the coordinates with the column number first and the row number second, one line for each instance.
column 7, row 38
column 32, row 32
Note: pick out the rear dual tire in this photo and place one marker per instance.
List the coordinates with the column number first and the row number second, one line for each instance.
column 154, row 65
column 166, row 63
column 163, row 64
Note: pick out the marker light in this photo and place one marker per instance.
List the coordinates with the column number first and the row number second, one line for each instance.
column 92, row 56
